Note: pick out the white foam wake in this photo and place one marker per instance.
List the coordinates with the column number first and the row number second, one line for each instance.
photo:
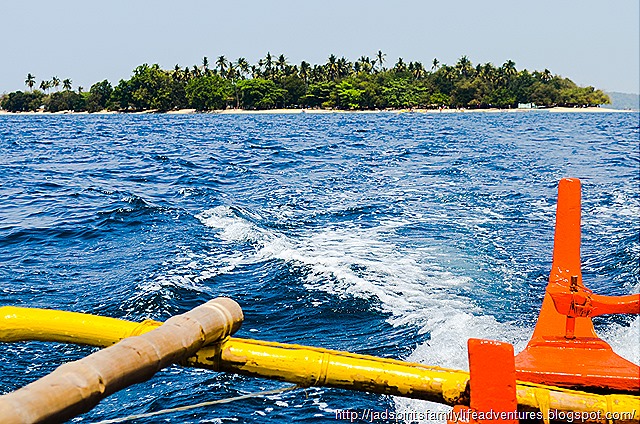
column 361, row 262
column 408, row 283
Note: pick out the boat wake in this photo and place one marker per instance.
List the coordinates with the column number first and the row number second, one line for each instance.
column 409, row 284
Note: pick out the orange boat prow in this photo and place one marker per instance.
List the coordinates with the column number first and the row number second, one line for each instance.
column 564, row 349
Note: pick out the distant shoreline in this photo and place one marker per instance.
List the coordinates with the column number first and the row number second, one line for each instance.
column 331, row 111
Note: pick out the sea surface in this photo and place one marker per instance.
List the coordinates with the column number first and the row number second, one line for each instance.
column 397, row 235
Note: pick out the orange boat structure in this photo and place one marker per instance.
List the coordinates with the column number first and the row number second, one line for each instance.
column 565, row 350
column 565, row 374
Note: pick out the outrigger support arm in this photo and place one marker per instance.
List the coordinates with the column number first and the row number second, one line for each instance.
column 76, row 387
column 579, row 301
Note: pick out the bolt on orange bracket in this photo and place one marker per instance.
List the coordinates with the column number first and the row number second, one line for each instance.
column 564, row 349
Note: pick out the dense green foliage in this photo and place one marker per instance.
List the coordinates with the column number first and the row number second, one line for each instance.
column 65, row 100
column 19, row 101
column 274, row 83
column 207, row 92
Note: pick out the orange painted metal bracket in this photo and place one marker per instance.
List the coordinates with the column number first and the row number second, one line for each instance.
column 492, row 385
column 564, row 349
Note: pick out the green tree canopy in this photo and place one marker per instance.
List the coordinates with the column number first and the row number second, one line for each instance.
column 208, row 92
column 259, row 93
column 339, row 83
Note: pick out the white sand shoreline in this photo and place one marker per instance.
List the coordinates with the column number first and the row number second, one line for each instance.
column 333, row 111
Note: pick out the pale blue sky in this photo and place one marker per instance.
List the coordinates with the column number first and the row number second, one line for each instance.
column 593, row 42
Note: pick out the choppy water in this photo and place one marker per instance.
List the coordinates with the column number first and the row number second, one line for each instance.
column 399, row 235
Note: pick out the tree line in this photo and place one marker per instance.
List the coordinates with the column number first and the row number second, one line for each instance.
column 273, row 82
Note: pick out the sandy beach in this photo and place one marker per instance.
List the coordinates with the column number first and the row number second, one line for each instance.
column 334, row 111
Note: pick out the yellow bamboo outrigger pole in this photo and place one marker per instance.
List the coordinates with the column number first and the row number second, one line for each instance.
column 308, row 366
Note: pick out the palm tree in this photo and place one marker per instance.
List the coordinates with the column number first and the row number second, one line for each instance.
column 281, row 63
column 487, row 72
column 400, row 66
column 332, row 67
column 319, row 73
column 509, row 67
column 344, row 67
column 268, row 65
column 66, row 84
column 364, row 63
column 305, row 73
column 418, row 70
column 45, row 85
column 30, row 81
column 222, row 64
column 55, row 81
column 380, row 58
column 205, row 64
column 435, row 64
column 507, row 71
column 292, row 70
column 177, row 73
column 231, row 72
column 464, row 66
column 255, row 70
column 243, row 66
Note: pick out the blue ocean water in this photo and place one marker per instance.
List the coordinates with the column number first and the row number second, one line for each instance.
column 398, row 235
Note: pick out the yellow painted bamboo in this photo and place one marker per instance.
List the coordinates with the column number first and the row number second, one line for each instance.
column 76, row 387
column 308, row 366
column 50, row 325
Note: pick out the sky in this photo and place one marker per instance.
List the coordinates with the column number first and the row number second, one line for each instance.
column 592, row 42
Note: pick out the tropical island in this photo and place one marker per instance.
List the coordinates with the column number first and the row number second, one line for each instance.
column 365, row 84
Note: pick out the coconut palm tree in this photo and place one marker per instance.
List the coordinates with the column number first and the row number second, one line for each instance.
column 177, row 73
column 268, row 65
column 45, row 85
column 256, row 71
column 305, row 72
column 222, row 63
column 243, row 66
column 364, row 64
column 332, row 67
column 435, row 64
column 418, row 70
column 400, row 66
column 463, row 66
column 232, row 73
column 205, row 64
column 66, row 84
column 380, row 58
column 344, row 67
column 55, row 82
column 30, row 81
column 281, row 63
column 509, row 67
